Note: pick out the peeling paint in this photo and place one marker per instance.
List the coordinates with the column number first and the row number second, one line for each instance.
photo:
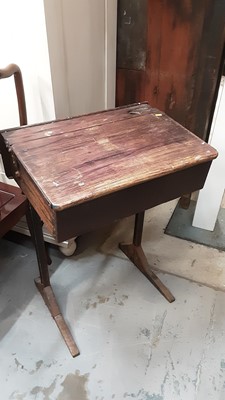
column 146, row 332
column 74, row 387
column 103, row 299
column 157, row 328
column 176, row 386
column 19, row 365
column 38, row 366
column 100, row 300
column 17, row 396
column 156, row 333
column 164, row 382
column 121, row 300
column 46, row 391
column 171, row 360
column 143, row 395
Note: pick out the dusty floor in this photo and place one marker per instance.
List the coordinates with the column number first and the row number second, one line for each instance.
column 134, row 345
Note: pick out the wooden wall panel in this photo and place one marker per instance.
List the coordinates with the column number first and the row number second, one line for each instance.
column 172, row 75
column 208, row 65
column 130, row 86
column 132, row 31
column 184, row 47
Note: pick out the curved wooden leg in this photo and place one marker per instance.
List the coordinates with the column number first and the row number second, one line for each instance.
column 50, row 301
column 138, row 258
column 136, row 254
column 43, row 283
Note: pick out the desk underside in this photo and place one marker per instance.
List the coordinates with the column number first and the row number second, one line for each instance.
column 94, row 214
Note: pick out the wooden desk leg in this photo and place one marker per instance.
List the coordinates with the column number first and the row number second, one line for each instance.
column 136, row 254
column 43, row 283
column 185, row 201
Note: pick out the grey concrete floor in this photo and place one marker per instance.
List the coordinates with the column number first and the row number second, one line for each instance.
column 134, row 345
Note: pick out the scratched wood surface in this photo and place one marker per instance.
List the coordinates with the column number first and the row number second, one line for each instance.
column 75, row 160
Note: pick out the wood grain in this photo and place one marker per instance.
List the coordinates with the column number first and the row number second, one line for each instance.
column 97, row 213
column 185, row 42
column 83, row 158
column 13, row 206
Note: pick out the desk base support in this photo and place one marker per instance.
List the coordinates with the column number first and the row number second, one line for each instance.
column 50, row 301
column 43, row 283
column 136, row 254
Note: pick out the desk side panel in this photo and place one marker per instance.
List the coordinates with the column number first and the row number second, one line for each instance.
column 37, row 199
column 102, row 211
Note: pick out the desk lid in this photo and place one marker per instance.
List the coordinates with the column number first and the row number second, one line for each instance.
column 78, row 159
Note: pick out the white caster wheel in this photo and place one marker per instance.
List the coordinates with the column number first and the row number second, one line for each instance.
column 70, row 249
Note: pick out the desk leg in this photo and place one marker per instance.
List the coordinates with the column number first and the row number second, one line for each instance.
column 136, row 254
column 185, row 200
column 43, row 283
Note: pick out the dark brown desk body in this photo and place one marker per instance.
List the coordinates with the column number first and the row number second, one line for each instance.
column 82, row 173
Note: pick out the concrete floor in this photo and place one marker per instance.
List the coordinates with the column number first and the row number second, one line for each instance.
column 134, row 345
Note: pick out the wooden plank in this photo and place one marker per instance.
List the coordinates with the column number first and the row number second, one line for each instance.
column 132, row 34
column 13, row 206
column 101, row 211
column 115, row 154
column 5, row 197
column 130, row 86
column 42, row 130
column 208, row 64
column 180, row 30
column 184, row 48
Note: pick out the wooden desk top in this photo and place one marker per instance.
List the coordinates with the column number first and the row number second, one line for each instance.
column 79, row 159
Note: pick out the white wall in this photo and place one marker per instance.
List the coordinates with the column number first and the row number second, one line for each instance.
column 210, row 197
column 24, row 42
column 82, row 47
column 110, row 52
column 72, row 71
column 66, row 51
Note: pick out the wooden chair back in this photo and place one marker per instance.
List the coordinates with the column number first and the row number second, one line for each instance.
column 13, row 204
